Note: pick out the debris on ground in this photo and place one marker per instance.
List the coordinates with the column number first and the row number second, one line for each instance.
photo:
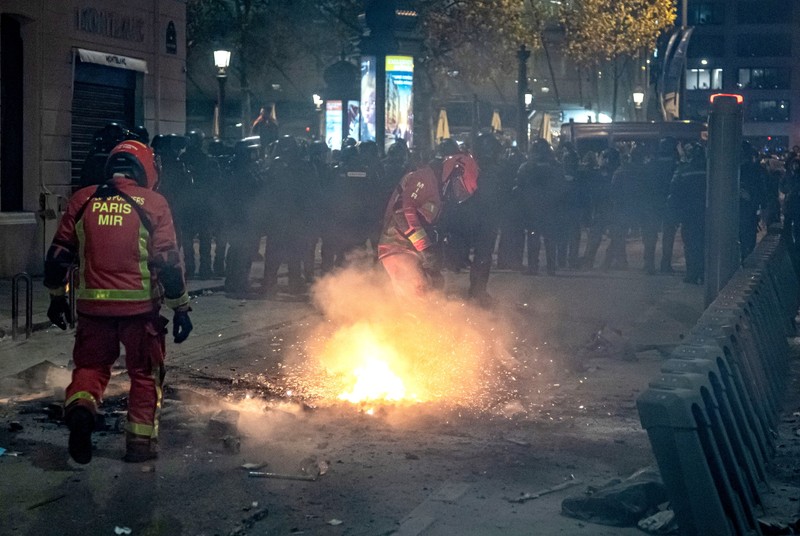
column 619, row 503
column 608, row 342
column 662, row 522
column 224, row 423
column 525, row 497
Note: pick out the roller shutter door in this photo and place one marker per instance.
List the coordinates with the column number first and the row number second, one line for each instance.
column 100, row 95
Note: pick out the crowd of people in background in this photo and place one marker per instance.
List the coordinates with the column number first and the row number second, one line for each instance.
column 315, row 206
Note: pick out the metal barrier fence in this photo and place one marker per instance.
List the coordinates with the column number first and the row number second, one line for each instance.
column 711, row 413
column 24, row 277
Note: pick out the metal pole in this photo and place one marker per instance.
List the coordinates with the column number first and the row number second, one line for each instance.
column 380, row 100
column 722, row 254
column 522, row 86
column 221, row 106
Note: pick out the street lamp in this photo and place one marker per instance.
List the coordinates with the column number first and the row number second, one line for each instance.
column 222, row 59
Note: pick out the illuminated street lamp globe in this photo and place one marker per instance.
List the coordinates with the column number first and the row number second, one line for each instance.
column 222, row 59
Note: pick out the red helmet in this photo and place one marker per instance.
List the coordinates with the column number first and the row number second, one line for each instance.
column 460, row 176
column 136, row 160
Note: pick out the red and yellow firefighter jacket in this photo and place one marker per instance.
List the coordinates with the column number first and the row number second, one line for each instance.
column 413, row 209
column 122, row 238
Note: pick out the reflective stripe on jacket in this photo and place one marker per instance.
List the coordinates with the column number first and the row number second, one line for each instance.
column 413, row 208
column 127, row 255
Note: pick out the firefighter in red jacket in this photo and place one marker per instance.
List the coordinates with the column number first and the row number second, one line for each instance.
column 407, row 247
column 121, row 236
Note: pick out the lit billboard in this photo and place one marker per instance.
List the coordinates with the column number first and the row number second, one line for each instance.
column 399, row 99
column 368, row 98
column 333, row 124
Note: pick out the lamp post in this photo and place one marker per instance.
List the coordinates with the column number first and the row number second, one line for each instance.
column 522, row 88
column 638, row 100
column 222, row 59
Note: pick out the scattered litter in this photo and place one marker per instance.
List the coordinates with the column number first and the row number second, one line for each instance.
column 619, row 503
column 323, row 467
column 335, row 522
column 253, row 466
column 122, row 530
column 280, row 476
column 147, row 468
column 224, row 423
column 232, row 444
column 609, row 342
column 2, row 451
column 46, row 501
column 662, row 522
column 525, row 497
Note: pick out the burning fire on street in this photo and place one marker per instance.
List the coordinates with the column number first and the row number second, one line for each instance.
column 373, row 351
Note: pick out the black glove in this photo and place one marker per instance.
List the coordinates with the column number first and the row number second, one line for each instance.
column 431, row 260
column 181, row 325
column 59, row 312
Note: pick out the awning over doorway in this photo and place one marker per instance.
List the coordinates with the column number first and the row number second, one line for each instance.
column 112, row 60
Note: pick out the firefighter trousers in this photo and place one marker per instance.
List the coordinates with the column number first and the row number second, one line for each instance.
column 97, row 347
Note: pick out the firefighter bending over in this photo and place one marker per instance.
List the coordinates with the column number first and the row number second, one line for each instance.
column 121, row 236
column 408, row 246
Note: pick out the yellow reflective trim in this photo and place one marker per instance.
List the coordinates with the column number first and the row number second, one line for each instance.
column 416, row 236
column 79, row 230
column 142, row 294
column 111, row 294
column 177, row 302
column 80, row 395
column 144, row 255
column 140, row 429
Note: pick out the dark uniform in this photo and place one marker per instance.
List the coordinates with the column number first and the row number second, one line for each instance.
column 203, row 213
column 688, row 199
column 511, row 247
column 540, row 183
column 244, row 208
column 601, row 203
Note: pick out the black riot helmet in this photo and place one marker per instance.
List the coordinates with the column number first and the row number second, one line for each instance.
column 194, row 139
column 285, row 147
column 487, row 146
column 447, row 147
column 540, row 149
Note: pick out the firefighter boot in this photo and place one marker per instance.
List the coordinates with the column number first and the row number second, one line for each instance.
column 80, row 422
column 139, row 449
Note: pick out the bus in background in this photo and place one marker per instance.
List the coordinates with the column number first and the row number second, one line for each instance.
column 600, row 136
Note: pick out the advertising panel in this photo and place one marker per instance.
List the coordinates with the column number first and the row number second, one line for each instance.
column 333, row 124
column 368, row 98
column 399, row 99
column 353, row 120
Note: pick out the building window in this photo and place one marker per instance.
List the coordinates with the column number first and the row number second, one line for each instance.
column 766, row 78
column 704, row 79
column 706, row 46
column 768, row 111
column 761, row 45
column 764, row 12
column 705, row 13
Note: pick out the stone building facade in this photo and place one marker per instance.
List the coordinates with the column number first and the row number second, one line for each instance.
column 68, row 67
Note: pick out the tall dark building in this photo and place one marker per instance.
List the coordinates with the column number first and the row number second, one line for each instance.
column 749, row 47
